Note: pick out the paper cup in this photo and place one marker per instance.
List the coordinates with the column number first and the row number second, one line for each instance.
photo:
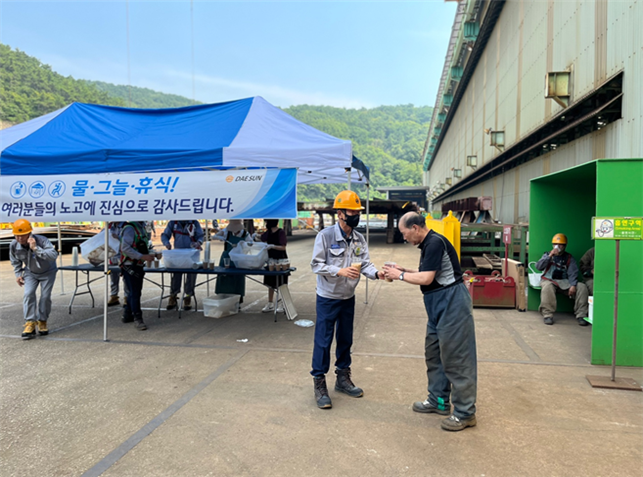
column 389, row 264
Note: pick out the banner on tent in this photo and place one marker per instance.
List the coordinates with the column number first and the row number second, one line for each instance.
column 232, row 194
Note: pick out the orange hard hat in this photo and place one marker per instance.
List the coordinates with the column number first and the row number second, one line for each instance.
column 559, row 239
column 21, row 227
column 347, row 199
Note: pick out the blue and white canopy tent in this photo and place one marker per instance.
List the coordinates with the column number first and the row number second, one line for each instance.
column 239, row 159
column 237, row 134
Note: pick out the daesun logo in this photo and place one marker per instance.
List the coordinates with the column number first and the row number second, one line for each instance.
column 248, row 178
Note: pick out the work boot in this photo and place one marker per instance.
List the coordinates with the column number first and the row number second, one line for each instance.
column 42, row 328
column 427, row 407
column 30, row 330
column 187, row 303
column 344, row 384
column 549, row 320
column 321, row 393
column 127, row 316
column 171, row 303
column 113, row 300
column 139, row 323
column 453, row 423
column 582, row 322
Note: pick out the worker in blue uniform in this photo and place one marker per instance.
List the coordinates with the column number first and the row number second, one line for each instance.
column 450, row 342
column 33, row 258
column 339, row 256
column 186, row 234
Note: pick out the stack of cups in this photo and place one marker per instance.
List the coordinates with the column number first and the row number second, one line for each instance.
column 271, row 264
column 74, row 257
column 206, row 254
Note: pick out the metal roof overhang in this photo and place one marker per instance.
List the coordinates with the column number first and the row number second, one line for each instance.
column 486, row 28
column 578, row 120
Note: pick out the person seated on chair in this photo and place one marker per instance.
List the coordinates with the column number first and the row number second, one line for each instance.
column 587, row 269
column 560, row 275
column 187, row 234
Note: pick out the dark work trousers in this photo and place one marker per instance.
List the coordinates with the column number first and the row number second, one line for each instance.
column 450, row 350
column 333, row 314
column 134, row 289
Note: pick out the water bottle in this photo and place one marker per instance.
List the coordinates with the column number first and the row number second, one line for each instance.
column 74, row 257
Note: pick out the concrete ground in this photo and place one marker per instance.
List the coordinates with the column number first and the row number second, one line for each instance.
column 186, row 398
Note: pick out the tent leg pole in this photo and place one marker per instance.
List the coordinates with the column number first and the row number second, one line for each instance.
column 368, row 236
column 207, row 237
column 60, row 260
column 106, row 271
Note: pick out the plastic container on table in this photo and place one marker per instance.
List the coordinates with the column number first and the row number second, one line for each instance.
column 218, row 306
column 93, row 250
column 181, row 257
column 249, row 256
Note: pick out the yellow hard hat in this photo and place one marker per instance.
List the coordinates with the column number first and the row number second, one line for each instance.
column 21, row 227
column 559, row 239
column 347, row 199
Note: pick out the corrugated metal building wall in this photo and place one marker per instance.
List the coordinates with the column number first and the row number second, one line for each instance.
column 595, row 40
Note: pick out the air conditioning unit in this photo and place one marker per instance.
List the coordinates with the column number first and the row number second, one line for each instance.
column 558, row 87
column 497, row 139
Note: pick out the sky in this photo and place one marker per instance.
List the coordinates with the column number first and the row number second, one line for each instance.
column 348, row 54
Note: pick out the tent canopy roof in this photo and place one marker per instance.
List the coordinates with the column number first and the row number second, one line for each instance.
column 243, row 133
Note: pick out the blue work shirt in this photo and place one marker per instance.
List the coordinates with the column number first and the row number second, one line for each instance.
column 185, row 233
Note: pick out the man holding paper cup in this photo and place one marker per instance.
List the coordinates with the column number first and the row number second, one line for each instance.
column 340, row 255
column 450, row 342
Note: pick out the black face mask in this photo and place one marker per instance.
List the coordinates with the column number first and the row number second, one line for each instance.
column 352, row 220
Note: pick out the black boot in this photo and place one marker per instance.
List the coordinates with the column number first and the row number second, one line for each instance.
column 321, row 393
column 127, row 315
column 344, row 384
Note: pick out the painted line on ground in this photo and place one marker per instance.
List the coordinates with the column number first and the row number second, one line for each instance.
column 531, row 354
column 118, row 453
column 308, row 351
column 115, row 310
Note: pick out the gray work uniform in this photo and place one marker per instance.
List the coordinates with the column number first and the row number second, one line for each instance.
column 551, row 284
column 331, row 253
column 335, row 303
column 187, row 234
column 38, row 268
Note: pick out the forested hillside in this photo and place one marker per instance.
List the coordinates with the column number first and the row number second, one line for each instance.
column 389, row 139
column 142, row 97
column 29, row 89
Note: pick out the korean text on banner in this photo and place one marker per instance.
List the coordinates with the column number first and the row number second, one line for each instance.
column 237, row 194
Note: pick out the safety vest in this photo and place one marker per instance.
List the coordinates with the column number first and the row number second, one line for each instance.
column 139, row 244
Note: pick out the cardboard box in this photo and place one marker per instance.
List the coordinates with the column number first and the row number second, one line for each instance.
column 516, row 270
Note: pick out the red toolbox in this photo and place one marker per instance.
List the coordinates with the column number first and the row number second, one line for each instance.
column 491, row 290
